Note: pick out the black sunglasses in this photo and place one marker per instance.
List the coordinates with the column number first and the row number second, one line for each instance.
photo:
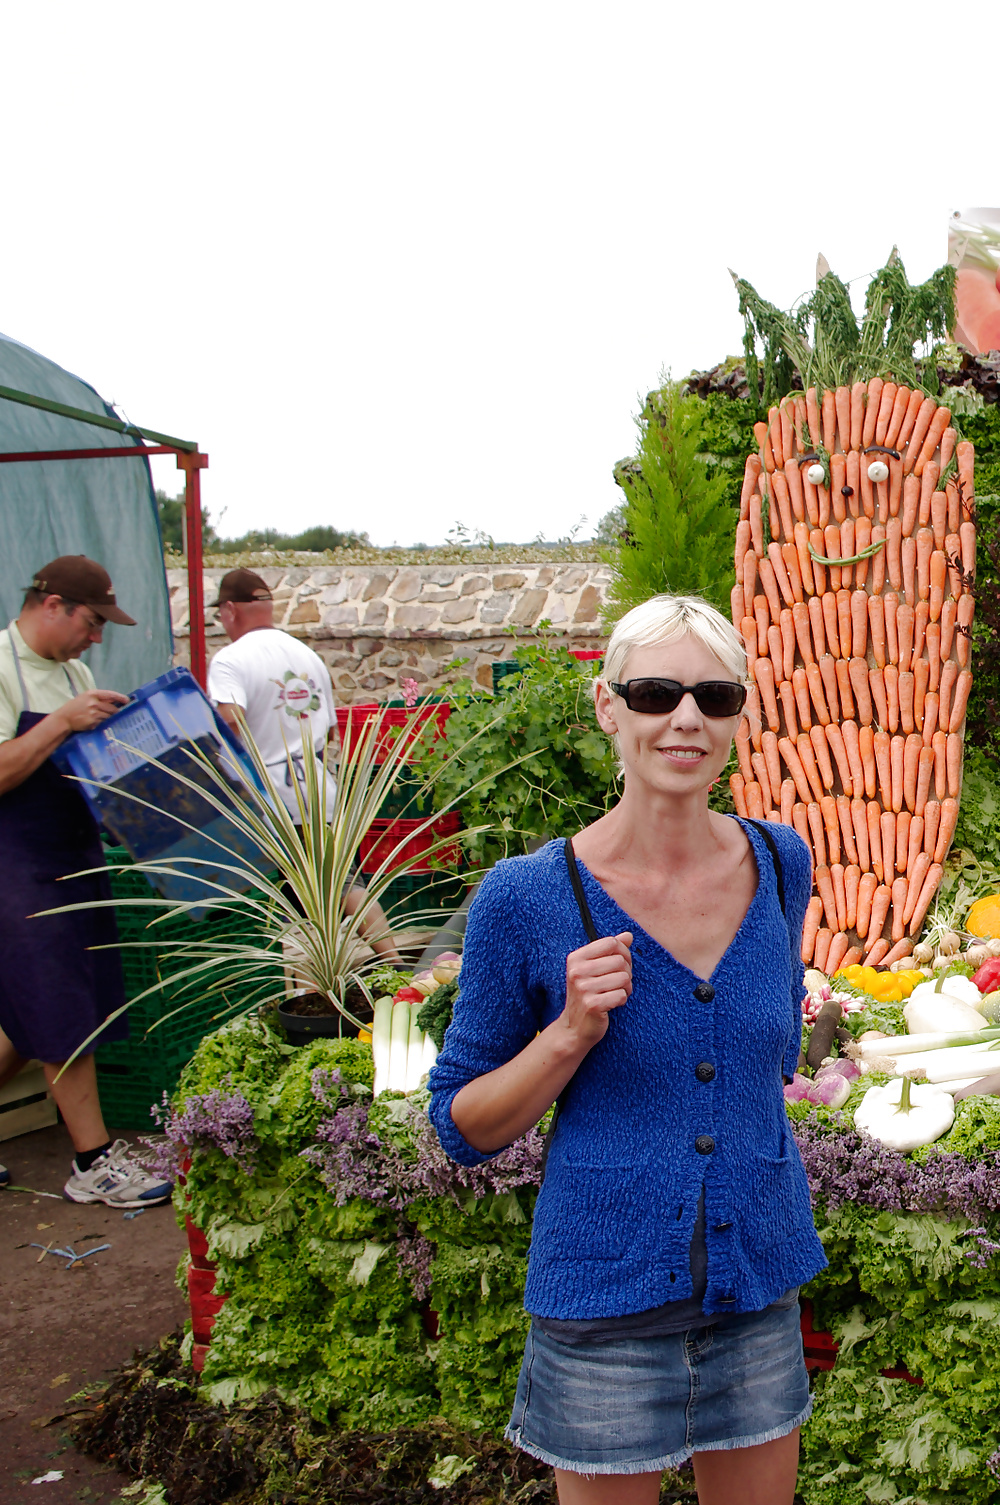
column 658, row 697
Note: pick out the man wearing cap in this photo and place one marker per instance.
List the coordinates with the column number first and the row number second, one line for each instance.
column 282, row 690
column 54, row 990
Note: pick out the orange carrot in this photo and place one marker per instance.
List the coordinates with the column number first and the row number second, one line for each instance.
column 790, row 557
column 785, row 417
column 786, row 801
column 835, row 742
column 769, row 747
column 828, row 674
column 909, row 561
column 804, row 557
column 794, row 765
column 949, row 675
column 793, row 480
column 859, row 391
column 928, row 485
column 814, row 817
column 821, row 750
column 844, row 622
column 890, row 678
column 812, row 416
column 849, row 732
column 824, row 887
column 878, row 560
column 742, row 740
column 887, row 836
column 882, row 745
column 953, row 554
column 839, row 896
column 953, row 763
column 807, row 758
column 774, row 646
column 762, row 781
column 831, row 550
column 934, row 875
column 754, row 801
column 906, row 692
column 780, row 573
column 737, row 608
column 848, row 545
column 911, row 504
column 866, row 740
column 915, row 885
column 904, row 635
column 939, row 742
column 866, row 893
column 913, row 406
column 890, row 602
column 934, row 654
column 800, row 684
column 817, row 540
column 842, row 670
column 814, row 679
column 788, row 707
column 920, row 673
column 741, row 545
column 852, row 877
column 786, row 660
column 800, row 621
column 763, row 673
column 762, row 617
column 939, row 518
column 858, row 670
column 876, row 621
column 877, row 686
column 885, row 406
column 930, row 726
column 911, row 763
column 893, row 562
column 963, row 630
column 749, row 576
column 965, row 455
column 913, row 449
column 967, row 534
column 765, row 570
column 830, row 625
column 812, row 501
column 949, row 616
column 868, row 493
column 859, row 822
column 837, row 954
column 947, row 446
column 932, row 819
column 925, row 773
column 822, row 952
column 859, row 624
column 954, row 505
column 800, row 821
column 871, row 412
column 774, row 429
column 838, row 480
column 737, row 784
column 847, row 829
column 828, row 412
column 748, row 632
column 921, row 616
column 764, row 440
column 897, row 953
column 880, row 913
column 752, row 712
column 750, row 473
column 831, row 823
column 899, row 888
column 816, row 627
column 897, row 748
column 903, row 820
column 814, row 913
column 895, row 486
column 939, row 422
column 914, row 842
column 961, row 699
column 853, row 476
column 842, row 398
column 756, row 525
column 899, row 406
column 873, row 814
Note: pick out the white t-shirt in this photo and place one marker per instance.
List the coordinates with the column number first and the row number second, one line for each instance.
column 285, row 692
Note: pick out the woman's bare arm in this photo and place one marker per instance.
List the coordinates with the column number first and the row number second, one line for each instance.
column 499, row 1107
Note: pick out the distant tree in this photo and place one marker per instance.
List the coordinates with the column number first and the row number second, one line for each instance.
column 171, row 513
column 311, row 540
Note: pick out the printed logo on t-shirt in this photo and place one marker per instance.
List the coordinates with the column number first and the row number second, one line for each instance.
column 298, row 694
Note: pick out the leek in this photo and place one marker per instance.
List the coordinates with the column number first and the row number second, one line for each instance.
column 415, row 1051
column 381, row 1031
column 899, row 1045
column 398, row 1041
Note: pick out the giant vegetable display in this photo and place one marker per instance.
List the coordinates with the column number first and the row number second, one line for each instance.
column 855, row 551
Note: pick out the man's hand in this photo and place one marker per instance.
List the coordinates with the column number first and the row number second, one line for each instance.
column 598, row 979
column 84, row 712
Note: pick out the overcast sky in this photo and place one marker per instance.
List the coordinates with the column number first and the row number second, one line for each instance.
column 399, row 265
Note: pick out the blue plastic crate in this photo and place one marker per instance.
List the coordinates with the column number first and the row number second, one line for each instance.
column 162, row 720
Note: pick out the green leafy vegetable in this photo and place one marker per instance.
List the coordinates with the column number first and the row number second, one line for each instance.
column 435, row 1016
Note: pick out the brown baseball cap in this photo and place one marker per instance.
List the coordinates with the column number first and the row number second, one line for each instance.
column 77, row 578
column 243, row 585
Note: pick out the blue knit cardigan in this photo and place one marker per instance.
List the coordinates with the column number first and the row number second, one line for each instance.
column 642, row 1134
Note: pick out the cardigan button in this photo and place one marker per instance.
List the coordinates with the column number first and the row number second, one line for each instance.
column 704, row 992
column 704, row 1071
column 704, row 1144
column 722, row 1227
column 727, row 1300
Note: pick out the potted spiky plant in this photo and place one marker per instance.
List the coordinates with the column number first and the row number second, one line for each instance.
column 291, row 904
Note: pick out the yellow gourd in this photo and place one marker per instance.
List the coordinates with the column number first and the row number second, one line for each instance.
column 984, row 917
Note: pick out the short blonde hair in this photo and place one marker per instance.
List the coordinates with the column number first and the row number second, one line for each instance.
column 662, row 619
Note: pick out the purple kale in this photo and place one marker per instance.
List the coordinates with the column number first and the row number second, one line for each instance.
column 208, row 1120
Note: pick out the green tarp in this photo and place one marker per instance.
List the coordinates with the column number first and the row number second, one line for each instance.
column 103, row 508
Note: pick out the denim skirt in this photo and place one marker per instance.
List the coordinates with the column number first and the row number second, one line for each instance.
column 637, row 1405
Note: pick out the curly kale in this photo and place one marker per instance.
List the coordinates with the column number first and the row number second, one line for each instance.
column 435, row 1015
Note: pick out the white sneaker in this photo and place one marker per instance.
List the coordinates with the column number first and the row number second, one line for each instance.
column 117, row 1180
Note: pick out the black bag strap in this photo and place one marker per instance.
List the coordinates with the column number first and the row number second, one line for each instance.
column 591, row 932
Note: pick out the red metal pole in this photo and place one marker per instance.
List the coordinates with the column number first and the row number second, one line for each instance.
column 192, row 464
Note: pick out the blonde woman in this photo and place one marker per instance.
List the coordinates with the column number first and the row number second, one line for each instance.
column 647, row 976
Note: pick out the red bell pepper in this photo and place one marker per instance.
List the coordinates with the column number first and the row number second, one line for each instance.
column 987, row 979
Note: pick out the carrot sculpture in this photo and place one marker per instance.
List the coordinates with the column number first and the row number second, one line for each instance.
column 854, row 553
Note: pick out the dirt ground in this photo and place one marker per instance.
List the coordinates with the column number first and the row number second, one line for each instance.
column 63, row 1329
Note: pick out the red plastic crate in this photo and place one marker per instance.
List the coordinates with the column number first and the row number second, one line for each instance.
column 197, row 1247
column 583, row 654
column 384, row 835
column 821, row 1350
column 353, row 719
column 205, row 1304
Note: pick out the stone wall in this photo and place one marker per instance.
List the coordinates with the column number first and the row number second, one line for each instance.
column 377, row 625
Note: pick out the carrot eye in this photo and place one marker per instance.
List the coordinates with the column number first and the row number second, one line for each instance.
column 816, row 474
column 878, row 470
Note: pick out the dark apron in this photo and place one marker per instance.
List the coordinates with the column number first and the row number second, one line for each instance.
column 54, row 992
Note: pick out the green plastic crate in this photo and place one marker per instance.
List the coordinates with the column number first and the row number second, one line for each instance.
column 133, row 1074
